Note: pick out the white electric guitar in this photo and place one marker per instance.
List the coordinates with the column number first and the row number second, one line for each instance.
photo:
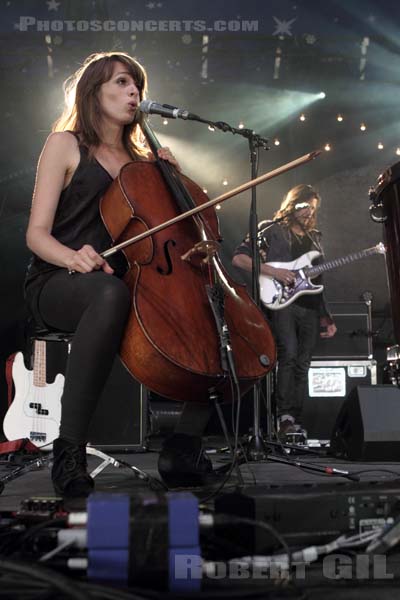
column 35, row 412
column 275, row 295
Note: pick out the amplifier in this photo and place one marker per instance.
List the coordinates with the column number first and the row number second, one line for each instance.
column 329, row 383
column 353, row 339
column 306, row 514
column 119, row 423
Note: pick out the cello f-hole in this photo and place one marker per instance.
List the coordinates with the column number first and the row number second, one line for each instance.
column 168, row 260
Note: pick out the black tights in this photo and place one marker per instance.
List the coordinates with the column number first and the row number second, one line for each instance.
column 95, row 307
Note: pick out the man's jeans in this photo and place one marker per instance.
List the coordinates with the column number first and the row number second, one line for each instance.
column 296, row 331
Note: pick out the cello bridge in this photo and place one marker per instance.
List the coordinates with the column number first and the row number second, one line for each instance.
column 205, row 250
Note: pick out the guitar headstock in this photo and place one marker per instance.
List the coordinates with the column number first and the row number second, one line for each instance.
column 381, row 248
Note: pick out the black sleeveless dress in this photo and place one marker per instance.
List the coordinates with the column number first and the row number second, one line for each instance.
column 77, row 222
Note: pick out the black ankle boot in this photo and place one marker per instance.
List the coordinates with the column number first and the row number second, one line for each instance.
column 183, row 463
column 69, row 475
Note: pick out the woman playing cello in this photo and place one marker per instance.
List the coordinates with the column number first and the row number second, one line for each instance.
column 69, row 286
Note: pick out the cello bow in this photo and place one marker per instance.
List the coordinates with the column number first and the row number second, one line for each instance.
column 234, row 192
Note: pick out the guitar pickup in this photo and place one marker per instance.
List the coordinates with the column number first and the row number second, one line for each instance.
column 37, row 436
column 38, row 407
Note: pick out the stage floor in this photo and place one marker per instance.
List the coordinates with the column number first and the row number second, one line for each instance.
column 267, row 476
column 268, row 472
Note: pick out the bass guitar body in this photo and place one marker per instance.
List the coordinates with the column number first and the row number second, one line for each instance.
column 35, row 412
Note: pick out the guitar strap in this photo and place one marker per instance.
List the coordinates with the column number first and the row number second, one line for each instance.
column 313, row 238
column 23, row 444
column 9, row 366
column 315, row 242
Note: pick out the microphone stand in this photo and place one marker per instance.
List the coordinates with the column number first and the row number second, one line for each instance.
column 256, row 448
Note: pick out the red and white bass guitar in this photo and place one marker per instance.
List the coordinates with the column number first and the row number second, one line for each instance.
column 35, row 412
column 276, row 296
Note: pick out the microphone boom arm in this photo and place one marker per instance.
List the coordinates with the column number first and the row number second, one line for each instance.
column 172, row 112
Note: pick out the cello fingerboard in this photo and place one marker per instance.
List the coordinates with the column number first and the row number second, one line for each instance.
column 39, row 364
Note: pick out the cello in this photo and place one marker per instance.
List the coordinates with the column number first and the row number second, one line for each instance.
column 172, row 342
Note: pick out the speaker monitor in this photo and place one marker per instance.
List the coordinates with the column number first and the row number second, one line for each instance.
column 368, row 425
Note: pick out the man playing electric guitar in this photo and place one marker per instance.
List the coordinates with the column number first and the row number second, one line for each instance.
column 296, row 327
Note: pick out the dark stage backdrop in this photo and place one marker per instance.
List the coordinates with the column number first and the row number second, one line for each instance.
column 260, row 63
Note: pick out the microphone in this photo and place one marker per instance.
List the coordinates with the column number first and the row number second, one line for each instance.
column 301, row 205
column 165, row 110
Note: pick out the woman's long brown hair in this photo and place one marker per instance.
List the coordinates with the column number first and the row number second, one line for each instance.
column 82, row 113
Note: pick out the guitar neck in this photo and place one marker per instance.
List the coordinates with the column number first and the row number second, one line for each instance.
column 39, row 364
column 340, row 262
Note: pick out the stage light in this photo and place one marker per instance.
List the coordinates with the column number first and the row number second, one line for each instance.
column 322, row 95
column 217, row 207
column 211, row 128
column 241, row 125
column 398, row 151
column 225, row 182
column 363, row 127
column 302, row 117
column 205, row 190
column 327, row 147
column 276, row 142
column 270, row 107
column 339, row 118
column 380, row 146
column 165, row 122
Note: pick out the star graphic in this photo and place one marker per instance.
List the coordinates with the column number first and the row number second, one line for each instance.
column 310, row 38
column 283, row 27
column 52, row 5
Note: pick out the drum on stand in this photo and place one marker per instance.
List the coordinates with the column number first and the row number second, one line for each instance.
column 385, row 209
